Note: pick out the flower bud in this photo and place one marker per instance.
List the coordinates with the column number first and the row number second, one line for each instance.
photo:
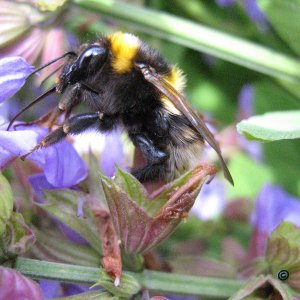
column 142, row 222
column 13, row 285
column 126, row 287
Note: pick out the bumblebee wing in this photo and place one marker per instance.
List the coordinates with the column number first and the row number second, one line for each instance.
column 184, row 107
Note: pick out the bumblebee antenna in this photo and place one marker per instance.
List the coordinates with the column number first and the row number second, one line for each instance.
column 38, row 99
column 52, row 73
column 51, row 62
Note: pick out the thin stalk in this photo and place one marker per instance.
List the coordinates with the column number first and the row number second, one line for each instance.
column 200, row 38
column 155, row 281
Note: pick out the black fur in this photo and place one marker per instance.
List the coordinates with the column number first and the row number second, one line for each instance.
column 123, row 99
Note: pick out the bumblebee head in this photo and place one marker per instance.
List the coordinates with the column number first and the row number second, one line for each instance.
column 87, row 63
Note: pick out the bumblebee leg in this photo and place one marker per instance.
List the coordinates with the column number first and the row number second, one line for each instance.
column 74, row 125
column 43, row 119
column 80, row 123
column 150, row 172
column 156, row 158
column 147, row 147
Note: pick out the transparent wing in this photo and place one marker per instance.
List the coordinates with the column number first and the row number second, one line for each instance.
column 184, row 107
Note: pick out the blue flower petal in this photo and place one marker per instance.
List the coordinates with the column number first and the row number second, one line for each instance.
column 254, row 12
column 39, row 183
column 50, row 289
column 112, row 153
column 245, row 104
column 70, row 233
column 225, row 3
column 274, row 205
column 74, row 289
column 211, row 200
column 63, row 166
column 5, row 158
column 13, row 73
column 17, row 143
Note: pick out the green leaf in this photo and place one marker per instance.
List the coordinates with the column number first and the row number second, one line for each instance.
column 52, row 246
column 21, row 236
column 94, row 179
column 284, row 17
column 199, row 37
column 283, row 154
column 283, row 248
column 131, row 186
column 271, row 126
column 62, row 204
column 283, row 253
column 6, row 203
column 136, row 192
column 251, row 289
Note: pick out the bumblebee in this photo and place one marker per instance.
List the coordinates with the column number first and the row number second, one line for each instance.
column 124, row 82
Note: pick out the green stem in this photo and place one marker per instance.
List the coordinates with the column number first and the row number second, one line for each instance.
column 200, row 38
column 155, row 281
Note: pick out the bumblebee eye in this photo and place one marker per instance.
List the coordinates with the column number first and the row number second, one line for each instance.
column 94, row 56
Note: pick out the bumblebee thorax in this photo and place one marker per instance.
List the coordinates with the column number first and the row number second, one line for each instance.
column 124, row 47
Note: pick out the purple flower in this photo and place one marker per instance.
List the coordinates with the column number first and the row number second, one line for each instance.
column 245, row 104
column 13, row 73
column 50, row 289
column 62, row 165
column 112, row 153
column 53, row 289
column 252, row 10
column 211, row 200
column 13, row 286
column 255, row 13
column 74, row 289
column 245, row 110
column 273, row 205
column 16, row 143
column 40, row 183
column 225, row 3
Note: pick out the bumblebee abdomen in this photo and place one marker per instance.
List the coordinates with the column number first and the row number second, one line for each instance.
column 182, row 159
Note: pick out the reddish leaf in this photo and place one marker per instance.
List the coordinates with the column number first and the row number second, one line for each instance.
column 139, row 230
column 111, row 261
